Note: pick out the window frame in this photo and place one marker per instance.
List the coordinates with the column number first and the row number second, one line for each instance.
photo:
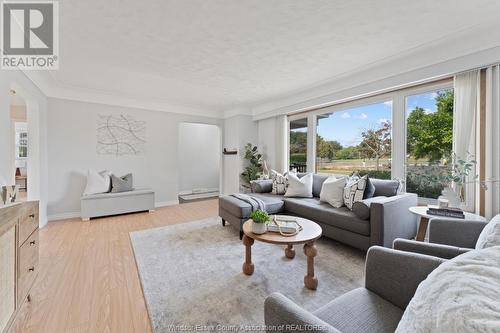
column 398, row 119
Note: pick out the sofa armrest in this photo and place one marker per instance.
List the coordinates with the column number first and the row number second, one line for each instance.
column 395, row 275
column 261, row 185
column 430, row 249
column 283, row 315
column 391, row 219
column 461, row 233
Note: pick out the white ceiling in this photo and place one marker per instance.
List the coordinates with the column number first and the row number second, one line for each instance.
column 221, row 54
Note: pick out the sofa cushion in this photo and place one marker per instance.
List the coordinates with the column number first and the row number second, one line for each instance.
column 332, row 191
column 262, row 185
column 315, row 210
column 385, row 187
column 354, row 191
column 490, row 236
column 360, row 310
column 369, row 189
column 241, row 209
column 362, row 208
column 317, row 182
column 299, row 187
column 280, row 182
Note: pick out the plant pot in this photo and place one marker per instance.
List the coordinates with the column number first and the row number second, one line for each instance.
column 453, row 199
column 259, row 228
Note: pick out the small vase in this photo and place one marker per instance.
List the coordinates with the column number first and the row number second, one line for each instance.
column 453, row 199
column 265, row 170
column 259, row 228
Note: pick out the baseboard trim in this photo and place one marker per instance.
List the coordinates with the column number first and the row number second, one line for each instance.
column 166, row 203
column 63, row 216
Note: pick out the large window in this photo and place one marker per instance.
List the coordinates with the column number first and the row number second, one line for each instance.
column 298, row 145
column 355, row 140
column 429, row 135
column 405, row 134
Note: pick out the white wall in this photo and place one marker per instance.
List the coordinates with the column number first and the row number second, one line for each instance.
column 72, row 151
column 199, row 156
column 272, row 142
column 238, row 131
column 36, row 104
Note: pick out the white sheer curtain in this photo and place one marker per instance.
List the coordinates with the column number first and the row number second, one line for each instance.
column 492, row 145
column 466, row 88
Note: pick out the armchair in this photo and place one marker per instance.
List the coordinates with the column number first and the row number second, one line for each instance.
column 447, row 238
column 391, row 279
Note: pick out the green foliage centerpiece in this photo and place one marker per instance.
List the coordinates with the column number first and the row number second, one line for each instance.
column 259, row 220
column 454, row 179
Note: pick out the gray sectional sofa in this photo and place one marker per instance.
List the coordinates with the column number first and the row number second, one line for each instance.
column 375, row 221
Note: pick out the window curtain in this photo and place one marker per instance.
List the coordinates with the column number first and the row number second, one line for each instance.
column 492, row 142
column 466, row 101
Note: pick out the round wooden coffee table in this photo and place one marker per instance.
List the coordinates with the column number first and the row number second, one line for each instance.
column 309, row 233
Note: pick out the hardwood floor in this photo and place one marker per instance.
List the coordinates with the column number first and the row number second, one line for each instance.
column 88, row 280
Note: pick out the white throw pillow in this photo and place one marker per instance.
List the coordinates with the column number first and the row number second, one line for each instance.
column 354, row 191
column 332, row 191
column 280, row 182
column 301, row 188
column 490, row 236
column 97, row 182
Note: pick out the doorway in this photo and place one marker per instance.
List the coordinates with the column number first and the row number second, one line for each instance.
column 19, row 143
column 199, row 156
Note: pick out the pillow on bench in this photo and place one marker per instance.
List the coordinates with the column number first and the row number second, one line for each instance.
column 122, row 184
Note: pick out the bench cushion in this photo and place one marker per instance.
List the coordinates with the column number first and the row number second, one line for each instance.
column 315, row 210
column 118, row 194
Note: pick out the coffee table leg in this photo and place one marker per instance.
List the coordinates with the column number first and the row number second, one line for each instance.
column 310, row 281
column 422, row 229
column 247, row 265
column 289, row 251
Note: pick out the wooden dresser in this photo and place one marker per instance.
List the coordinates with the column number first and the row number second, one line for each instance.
column 18, row 257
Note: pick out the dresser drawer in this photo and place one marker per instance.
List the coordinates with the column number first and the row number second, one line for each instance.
column 28, row 265
column 28, row 221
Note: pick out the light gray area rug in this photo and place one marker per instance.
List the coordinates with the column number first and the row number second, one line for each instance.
column 192, row 276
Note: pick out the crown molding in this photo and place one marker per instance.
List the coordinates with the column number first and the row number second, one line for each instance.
column 48, row 85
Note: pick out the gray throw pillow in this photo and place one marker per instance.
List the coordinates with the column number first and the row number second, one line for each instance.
column 122, row 184
column 362, row 208
column 385, row 187
column 261, row 185
column 369, row 189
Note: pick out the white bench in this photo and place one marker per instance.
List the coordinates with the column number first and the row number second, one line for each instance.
column 105, row 204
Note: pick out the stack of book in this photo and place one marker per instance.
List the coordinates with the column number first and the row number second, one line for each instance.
column 456, row 213
column 286, row 225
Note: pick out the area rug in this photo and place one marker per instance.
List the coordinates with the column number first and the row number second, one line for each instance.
column 192, row 278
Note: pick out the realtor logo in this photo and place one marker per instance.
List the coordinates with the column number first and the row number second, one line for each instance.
column 30, row 35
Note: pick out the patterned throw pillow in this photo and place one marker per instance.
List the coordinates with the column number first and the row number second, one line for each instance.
column 354, row 191
column 280, row 182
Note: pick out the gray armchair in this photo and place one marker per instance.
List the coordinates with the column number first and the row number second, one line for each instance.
column 447, row 238
column 391, row 279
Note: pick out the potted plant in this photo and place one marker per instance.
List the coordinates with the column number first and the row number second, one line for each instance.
column 259, row 221
column 454, row 179
column 253, row 170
